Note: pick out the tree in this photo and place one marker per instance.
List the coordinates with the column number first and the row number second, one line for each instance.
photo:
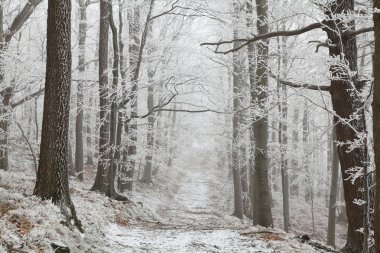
column 52, row 176
column 103, row 96
column 376, row 121
column 345, row 88
column 7, row 93
column 260, row 124
column 333, row 192
column 83, row 4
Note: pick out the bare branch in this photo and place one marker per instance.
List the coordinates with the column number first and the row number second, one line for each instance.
column 27, row 98
column 262, row 37
column 21, row 18
column 353, row 33
column 300, row 85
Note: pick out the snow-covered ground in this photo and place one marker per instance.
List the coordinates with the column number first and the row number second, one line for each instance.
column 181, row 213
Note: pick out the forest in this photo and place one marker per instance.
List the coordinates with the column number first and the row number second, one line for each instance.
column 190, row 126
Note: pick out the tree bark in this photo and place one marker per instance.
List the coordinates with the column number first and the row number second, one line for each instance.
column 52, row 176
column 264, row 216
column 347, row 103
column 103, row 97
column 376, row 123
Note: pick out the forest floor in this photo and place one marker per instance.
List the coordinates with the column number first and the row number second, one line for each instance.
column 183, row 214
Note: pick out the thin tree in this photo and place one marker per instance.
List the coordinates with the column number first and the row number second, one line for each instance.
column 333, row 191
column 103, row 96
column 81, row 67
column 52, row 176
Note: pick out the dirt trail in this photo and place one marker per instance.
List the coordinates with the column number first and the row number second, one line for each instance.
column 192, row 223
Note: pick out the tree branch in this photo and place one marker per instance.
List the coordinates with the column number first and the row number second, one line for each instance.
column 353, row 33
column 20, row 19
column 299, row 85
column 27, row 98
column 261, row 37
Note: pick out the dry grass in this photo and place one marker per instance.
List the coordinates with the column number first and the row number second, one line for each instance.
column 121, row 221
column 5, row 207
column 22, row 223
column 271, row 237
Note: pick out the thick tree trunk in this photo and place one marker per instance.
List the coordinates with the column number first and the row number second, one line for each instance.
column 103, row 97
column 333, row 191
column 52, row 176
column 376, row 123
column 346, row 103
column 263, row 203
column 81, row 67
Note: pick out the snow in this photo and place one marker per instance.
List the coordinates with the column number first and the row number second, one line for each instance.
column 179, row 213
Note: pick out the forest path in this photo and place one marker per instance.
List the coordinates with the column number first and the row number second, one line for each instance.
column 191, row 222
column 195, row 202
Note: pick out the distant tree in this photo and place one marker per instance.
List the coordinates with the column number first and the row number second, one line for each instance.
column 52, row 176
column 7, row 92
column 103, row 96
column 333, row 191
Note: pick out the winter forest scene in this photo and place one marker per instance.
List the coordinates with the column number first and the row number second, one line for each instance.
column 189, row 126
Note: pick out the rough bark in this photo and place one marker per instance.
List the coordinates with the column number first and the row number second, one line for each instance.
column 52, row 176
column 347, row 103
column 376, row 123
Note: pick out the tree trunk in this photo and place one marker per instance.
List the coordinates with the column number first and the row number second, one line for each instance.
column 89, row 147
column 126, row 182
column 103, row 97
column 376, row 122
column 173, row 134
column 294, row 188
column 81, row 67
column 333, row 191
column 114, row 154
column 147, row 174
column 346, row 103
column 264, row 216
column 237, row 74
column 52, row 176
column 283, row 132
